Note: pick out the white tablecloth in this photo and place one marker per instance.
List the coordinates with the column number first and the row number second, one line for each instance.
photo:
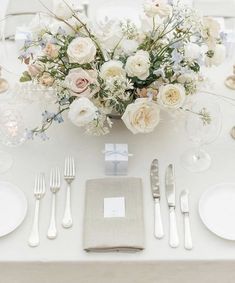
column 63, row 260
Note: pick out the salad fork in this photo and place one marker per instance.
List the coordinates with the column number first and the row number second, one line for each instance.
column 69, row 176
column 39, row 192
column 54, row 187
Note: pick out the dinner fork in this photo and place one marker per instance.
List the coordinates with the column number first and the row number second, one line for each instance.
column 54, row 187
column 69, row 176
column 39, row 192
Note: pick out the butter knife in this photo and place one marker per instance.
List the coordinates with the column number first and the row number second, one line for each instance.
column 184, row 203
column 155, row 186
column 170, row 195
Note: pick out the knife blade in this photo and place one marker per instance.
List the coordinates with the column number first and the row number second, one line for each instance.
column 170, row 195
column 155, row 186
column 184, row 204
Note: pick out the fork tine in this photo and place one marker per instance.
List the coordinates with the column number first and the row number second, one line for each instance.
column 73, row 167
column 36, row 184
column 58, row 177
column 51, row 178
column 66, row 166
column 43, row 184
column 70, row 166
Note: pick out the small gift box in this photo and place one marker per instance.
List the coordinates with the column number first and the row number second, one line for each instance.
column 116, row 159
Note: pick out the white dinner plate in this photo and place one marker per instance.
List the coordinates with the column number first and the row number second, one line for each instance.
column 217, row 210
column 13, row 207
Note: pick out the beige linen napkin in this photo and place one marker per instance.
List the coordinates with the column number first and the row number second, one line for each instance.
column 114, row 234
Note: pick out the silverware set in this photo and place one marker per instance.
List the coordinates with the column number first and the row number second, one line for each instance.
column 170, row 191
column 39, row 192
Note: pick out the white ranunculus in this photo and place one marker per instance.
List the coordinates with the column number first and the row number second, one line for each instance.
column 109, row 33
column 142, row 116
column 218, row 57
column 157, row 7
column 192, row 51
column 147, row 23
column 111, row 69
column 171, row 96
column 129, row 46
column 187, row 78
column 63, row 10
column 138, row 65
column 81, row 50
column 82, row 111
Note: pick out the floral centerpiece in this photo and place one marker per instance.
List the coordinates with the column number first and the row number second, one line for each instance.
column 132, row 70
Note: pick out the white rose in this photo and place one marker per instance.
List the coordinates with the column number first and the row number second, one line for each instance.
column 157, row 7
column 112, row 69
column 82, row 111
column 171, row 96
column 81, row 82
column 63, row 10
column 192, row 51
column 211, row 28
column 218, row 57
column 129, row 46
column 142, row 116
column 138, row 65
column 81, row 50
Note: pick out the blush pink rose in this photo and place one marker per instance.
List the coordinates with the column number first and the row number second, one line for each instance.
column 51, row 50
column 82, row 83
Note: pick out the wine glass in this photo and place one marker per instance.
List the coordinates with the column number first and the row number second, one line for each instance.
column 203, row 125
column 12, row 133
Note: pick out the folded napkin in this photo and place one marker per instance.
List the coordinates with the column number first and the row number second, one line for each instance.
column 119, row 233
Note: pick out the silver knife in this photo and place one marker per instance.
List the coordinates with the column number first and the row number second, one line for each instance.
column 155, row 186
column 184, row 203
column 170, row 195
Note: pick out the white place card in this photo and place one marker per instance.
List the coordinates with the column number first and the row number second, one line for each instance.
column 114, row 207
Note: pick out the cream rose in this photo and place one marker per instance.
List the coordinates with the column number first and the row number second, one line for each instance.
column 112, row 69
column 63, row 11
column 81, row 50
column 138, row 65
column 51, row 50
column 218, row 57
column 142, row 116
column 157, row 7
column 46, row 79
column 192, row 51
column 171, row 96
column 82, row 111
column 81, row 82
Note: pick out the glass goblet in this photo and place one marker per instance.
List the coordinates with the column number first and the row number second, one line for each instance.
column 12, row 133
column 203, row 125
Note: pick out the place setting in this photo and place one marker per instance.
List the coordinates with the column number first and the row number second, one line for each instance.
column 123, row 112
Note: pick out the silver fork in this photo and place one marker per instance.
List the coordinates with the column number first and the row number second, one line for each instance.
column 39, row 192
column 54, row 187
column 69, row 176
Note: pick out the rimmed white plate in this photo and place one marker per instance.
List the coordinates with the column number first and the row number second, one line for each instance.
column 217, row 210
column 13, row 207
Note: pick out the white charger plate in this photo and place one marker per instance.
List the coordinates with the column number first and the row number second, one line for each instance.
column 13, row 207
column 217, row 210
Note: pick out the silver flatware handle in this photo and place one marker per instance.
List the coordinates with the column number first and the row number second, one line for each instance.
column 67, row 219
column 174, row 237
column 52, row 231
column 188, row 243
column 158, row 228
column 33, row 240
